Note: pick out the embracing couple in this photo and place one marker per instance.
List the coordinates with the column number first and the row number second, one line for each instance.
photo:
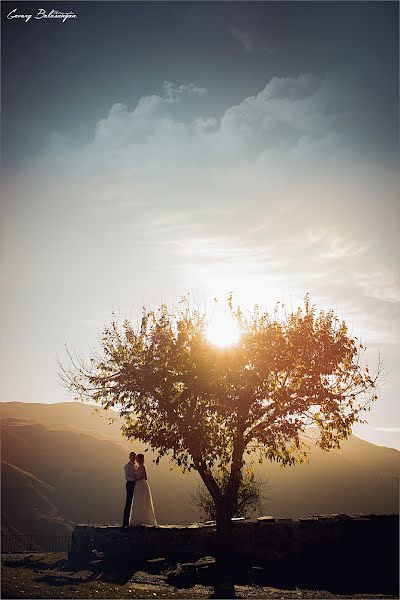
column 139, row 508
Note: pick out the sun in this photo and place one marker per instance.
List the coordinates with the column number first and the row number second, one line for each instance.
column 222, row 331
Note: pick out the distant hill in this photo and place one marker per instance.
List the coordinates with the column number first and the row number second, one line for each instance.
column 28, row 504
column 85, row 475
column 77, row 416
column 70, row 461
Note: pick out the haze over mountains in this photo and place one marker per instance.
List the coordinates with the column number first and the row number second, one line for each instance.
column 63, row 464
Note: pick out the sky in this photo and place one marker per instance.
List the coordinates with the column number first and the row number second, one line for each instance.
column 151, row 149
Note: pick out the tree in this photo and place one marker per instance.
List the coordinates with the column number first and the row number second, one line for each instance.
column 249, row 500
column 206, row 407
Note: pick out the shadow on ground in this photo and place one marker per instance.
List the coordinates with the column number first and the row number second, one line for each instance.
column 50, row 576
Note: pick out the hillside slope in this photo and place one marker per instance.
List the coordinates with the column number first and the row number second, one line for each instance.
column 28, row 504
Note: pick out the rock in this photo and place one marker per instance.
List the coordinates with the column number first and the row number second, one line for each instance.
column 287, row 520
column 206, row 569
column 155, row 565
column 256, row 575
column 184, row 576
column 205, row 560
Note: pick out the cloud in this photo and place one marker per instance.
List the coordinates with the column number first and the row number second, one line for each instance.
column 123, row 130
column 293, row 123
column 174, row 92
column 387, row 429
column 288, row 127
column 289, row 119
column 380, row 285
column 244, row 38
column 271, row 196
column 341, row 248
column 251, row 42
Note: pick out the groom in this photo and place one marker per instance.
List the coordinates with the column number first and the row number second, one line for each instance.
column 130, row 476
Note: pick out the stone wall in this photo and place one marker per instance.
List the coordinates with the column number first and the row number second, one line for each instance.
column 354, row 553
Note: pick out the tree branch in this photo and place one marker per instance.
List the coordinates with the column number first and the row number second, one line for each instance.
column 208, row 480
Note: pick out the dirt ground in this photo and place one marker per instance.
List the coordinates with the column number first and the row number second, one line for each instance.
column 48, row 576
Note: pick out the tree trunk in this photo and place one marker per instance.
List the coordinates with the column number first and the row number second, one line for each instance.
column 225, row 502
column 225, row 555
column 224, row 587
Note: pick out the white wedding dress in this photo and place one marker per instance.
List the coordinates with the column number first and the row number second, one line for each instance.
column 142, row 512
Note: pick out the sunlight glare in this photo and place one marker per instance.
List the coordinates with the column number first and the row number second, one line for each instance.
column 222, row 331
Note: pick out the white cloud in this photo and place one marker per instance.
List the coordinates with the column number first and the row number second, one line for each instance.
column 294, row 128
column 380, row 285
column 342, row 248
column 289, row 115
column 293, row 122
column 281, row 115
column 174, row 92
column 388, row 429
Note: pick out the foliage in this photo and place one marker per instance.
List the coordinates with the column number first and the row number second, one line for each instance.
column 249, row 500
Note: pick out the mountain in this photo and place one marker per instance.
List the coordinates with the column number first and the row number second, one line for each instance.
column 341, row 481
column 63, row 465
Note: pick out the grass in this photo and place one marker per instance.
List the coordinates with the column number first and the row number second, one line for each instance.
column 49, row 576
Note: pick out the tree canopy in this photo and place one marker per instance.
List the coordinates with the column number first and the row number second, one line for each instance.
column 205, row 406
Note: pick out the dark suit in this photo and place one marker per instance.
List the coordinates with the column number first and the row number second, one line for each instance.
column 130, row 486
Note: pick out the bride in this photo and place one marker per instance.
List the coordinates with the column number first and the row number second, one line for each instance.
column 142, row 512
